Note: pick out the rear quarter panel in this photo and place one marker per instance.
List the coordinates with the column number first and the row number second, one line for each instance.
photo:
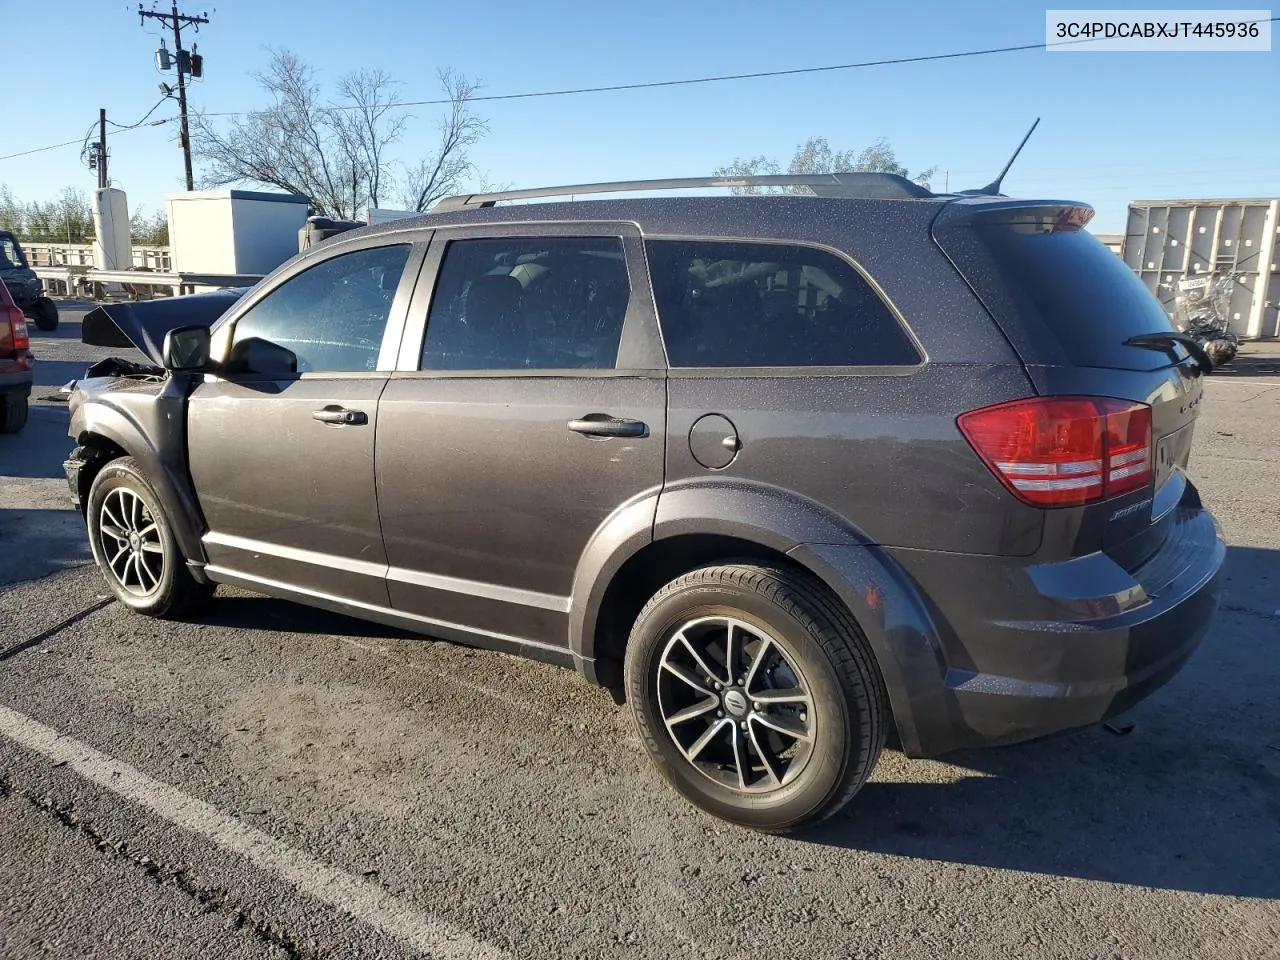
column 878, row 447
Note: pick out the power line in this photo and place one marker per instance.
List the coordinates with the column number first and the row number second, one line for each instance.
column 1101, row 173
column 52, row 146
column 130, row 126
column 655, row 84
column 80, row 140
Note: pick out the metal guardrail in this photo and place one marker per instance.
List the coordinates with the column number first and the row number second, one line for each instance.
column 146, row 278
column 47, row 253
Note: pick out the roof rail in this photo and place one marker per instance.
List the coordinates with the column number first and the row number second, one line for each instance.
column 873, row 186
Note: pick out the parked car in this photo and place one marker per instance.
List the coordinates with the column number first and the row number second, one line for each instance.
column 26, row 289
column 16, row 365
column 784, row 473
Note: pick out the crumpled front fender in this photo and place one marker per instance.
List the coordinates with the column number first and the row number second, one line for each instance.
column 147, row 420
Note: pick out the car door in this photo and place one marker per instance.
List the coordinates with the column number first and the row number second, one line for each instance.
column 282, row 460
column 530, row 409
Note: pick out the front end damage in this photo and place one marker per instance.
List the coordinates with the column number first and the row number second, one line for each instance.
column 125, row 407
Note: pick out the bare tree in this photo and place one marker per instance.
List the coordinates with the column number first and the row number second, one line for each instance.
column 336, row 152
column 441, row 174
column 375, row 124
column 816, row 156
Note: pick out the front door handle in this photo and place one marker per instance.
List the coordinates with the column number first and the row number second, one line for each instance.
column 600, row 425
column 340, row 416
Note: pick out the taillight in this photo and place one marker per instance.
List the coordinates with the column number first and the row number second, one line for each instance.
column 18, row 329
column 1064, row 451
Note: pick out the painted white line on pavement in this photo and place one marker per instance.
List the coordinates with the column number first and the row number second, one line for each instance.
column 360, row 898
column 1247, row 381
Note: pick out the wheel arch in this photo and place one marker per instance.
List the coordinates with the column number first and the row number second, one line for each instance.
column 710, row 522
column 104, row 433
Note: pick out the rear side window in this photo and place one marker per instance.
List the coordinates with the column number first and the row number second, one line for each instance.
column 332, row 316
column 1082, row 291
column 724, row 304
column 530, row 303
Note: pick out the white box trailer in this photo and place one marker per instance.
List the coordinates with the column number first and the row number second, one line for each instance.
column 1168, row 241
column 233, row 231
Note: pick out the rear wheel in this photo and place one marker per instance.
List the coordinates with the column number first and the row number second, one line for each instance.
column 45, row 314
column 132, row 542
column 756, row 695
column 13, row 413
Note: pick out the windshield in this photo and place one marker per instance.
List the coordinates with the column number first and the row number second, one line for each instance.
column 10, row 254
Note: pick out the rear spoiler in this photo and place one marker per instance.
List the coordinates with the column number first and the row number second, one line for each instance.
column 1044, row 214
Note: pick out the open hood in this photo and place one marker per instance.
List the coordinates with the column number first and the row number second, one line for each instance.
column 143, row 323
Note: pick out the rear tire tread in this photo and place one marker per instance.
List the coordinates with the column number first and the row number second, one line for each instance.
column 831, row 625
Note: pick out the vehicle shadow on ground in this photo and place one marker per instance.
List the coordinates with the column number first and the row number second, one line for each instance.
column 34, row 543
column 39, row 449
column 241, row 610
column 1250, row 365
column 1189, row 800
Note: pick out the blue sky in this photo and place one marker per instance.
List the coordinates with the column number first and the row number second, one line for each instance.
column 1116, row 126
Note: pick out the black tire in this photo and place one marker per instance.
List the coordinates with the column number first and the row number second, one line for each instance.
column 164, row 589
column 45, row 314
column 13, row 413
column 830, row 659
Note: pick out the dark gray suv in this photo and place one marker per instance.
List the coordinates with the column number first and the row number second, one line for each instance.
column 787, row 473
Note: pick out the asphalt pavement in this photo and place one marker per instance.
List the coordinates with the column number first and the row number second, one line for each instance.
column 274, row 781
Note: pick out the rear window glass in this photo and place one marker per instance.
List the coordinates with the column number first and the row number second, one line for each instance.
column 770, row 305
column 1085, row 293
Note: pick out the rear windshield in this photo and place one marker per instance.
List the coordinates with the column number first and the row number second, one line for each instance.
column 1081, row 290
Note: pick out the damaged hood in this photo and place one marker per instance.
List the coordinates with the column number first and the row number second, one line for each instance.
column 143, row 323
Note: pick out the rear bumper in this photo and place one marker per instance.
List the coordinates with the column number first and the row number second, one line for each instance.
column 1081, row 641
column 980, row 650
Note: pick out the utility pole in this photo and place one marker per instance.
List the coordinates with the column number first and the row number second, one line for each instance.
column 186, row 63
column 102, row 149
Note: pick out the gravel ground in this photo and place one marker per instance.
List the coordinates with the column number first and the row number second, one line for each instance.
column 273, row 781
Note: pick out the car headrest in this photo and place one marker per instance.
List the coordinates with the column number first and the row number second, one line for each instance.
column 491, row 299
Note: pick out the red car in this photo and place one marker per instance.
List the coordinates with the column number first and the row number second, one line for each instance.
column 16, row 364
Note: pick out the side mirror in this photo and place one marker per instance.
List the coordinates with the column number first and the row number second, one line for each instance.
column 256, row 355
column 186, row 349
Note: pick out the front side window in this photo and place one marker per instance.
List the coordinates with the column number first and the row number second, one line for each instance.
column 726, row 304
column 528, row 303
column 10, row 255
column 333, row 315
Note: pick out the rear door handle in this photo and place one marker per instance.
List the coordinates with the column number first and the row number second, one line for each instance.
column 340, row 416
column 599, row 425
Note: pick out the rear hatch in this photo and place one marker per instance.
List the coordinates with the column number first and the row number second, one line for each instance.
column 1084, row 325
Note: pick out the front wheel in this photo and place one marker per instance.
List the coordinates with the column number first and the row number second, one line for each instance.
column 756, row 695
column 45, row 314
column 133, row 544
